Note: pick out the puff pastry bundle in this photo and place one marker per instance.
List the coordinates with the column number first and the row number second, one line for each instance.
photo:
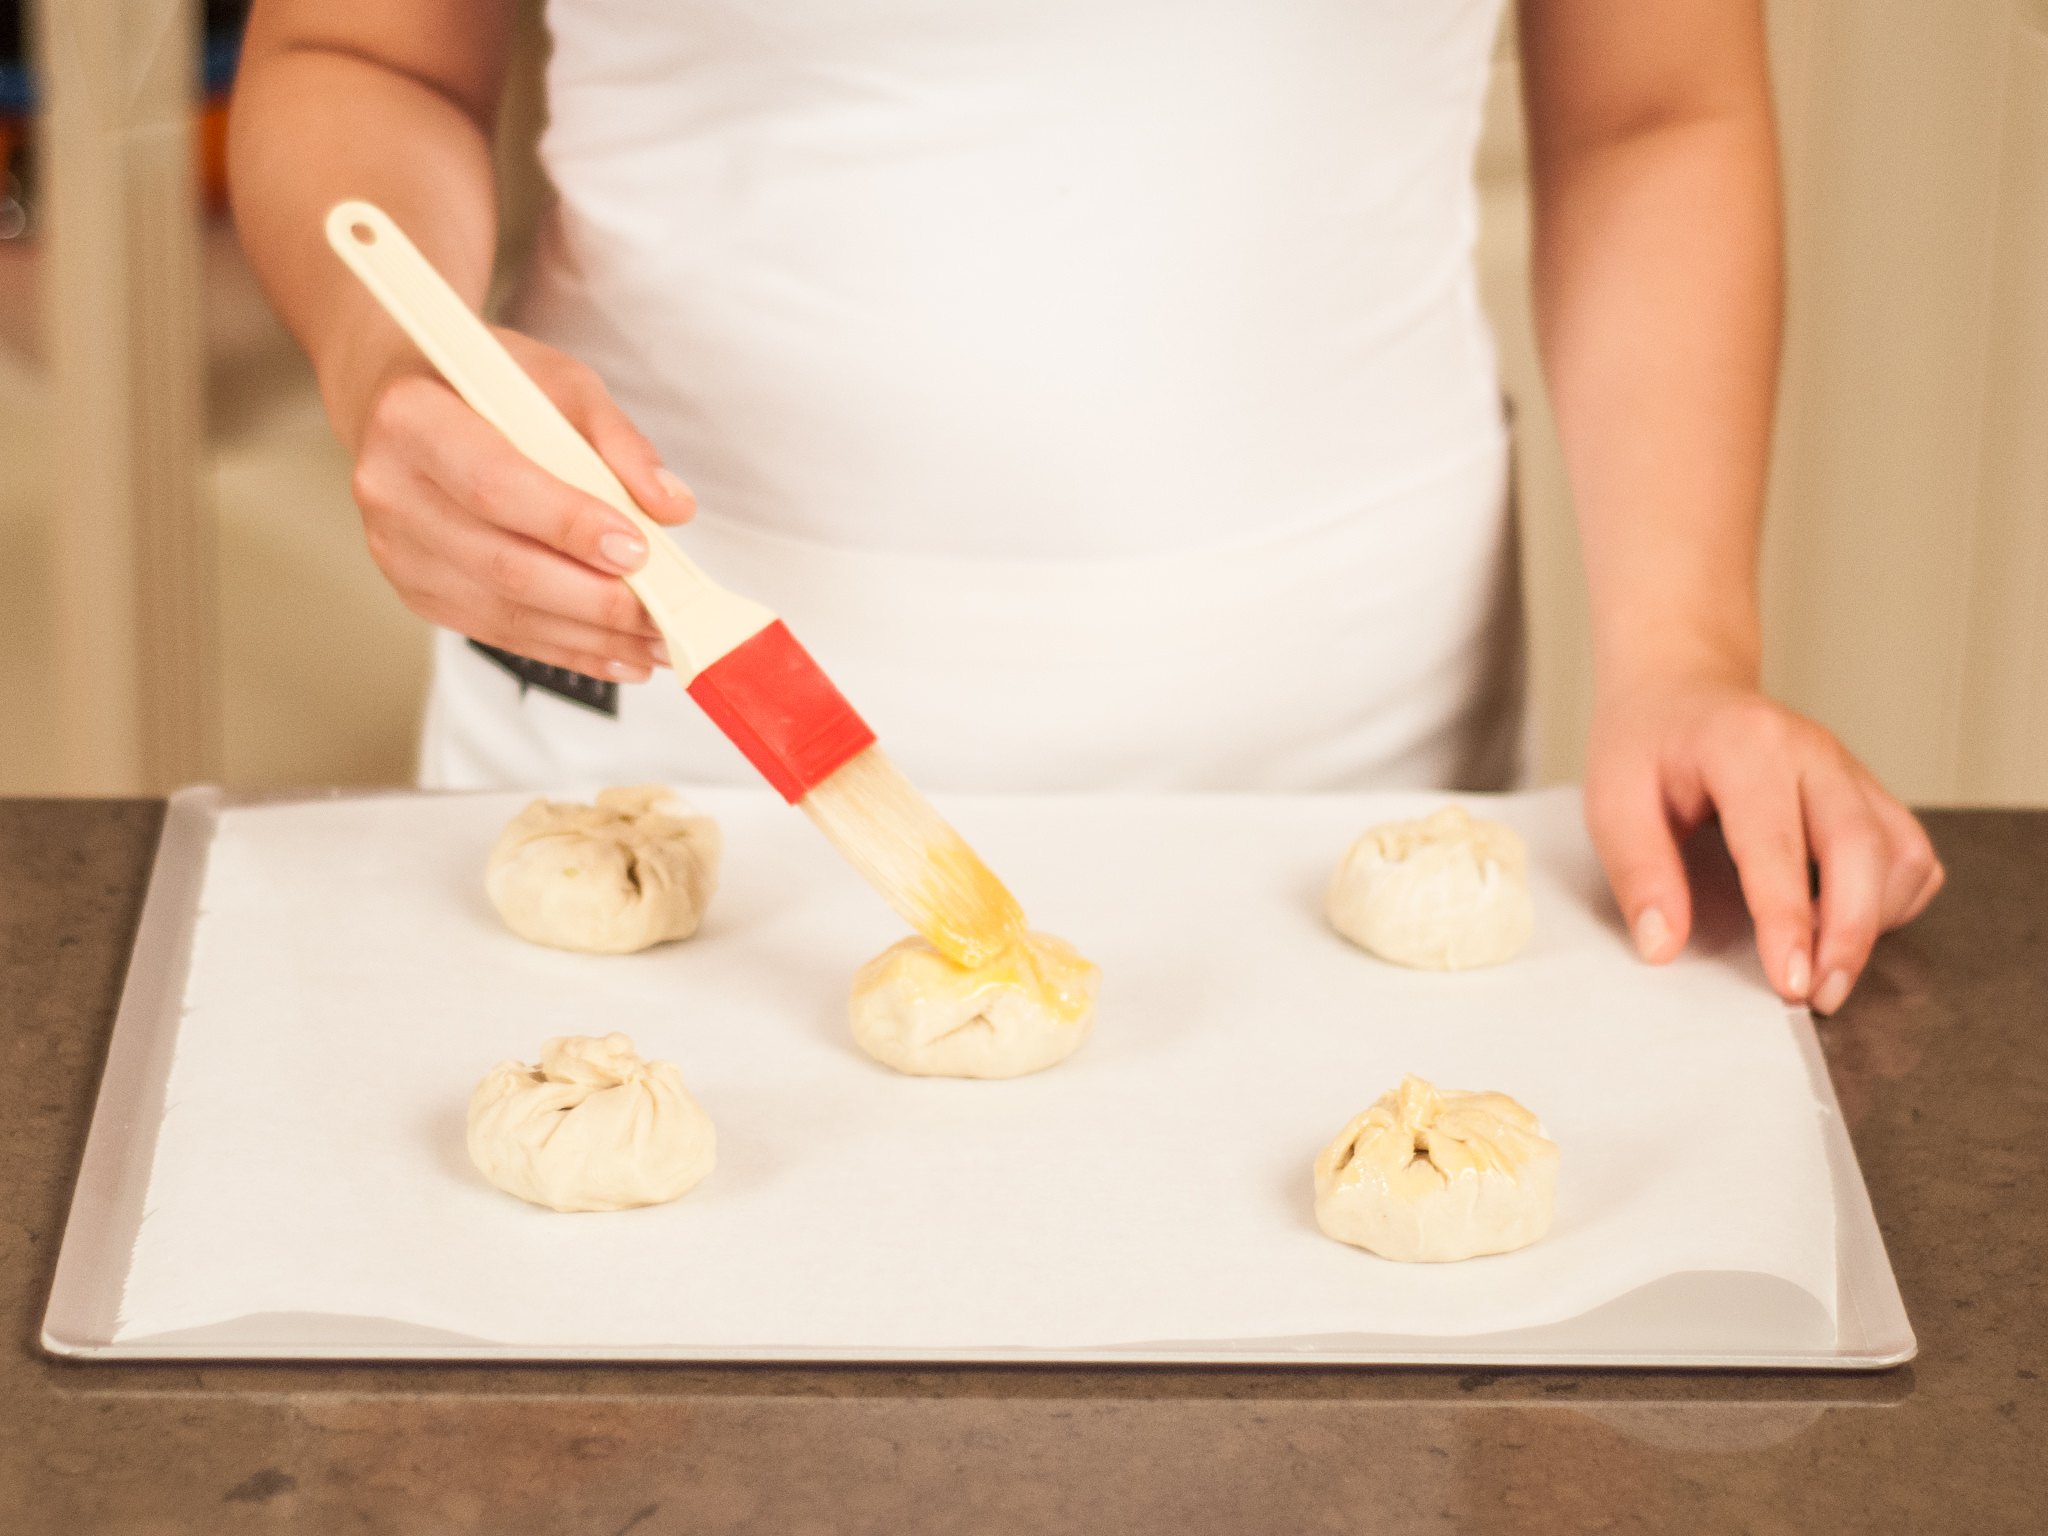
column 592, row 1128
column 916, row 1011
column 636, row 869
column 1429, row 1176
column 1445, row 893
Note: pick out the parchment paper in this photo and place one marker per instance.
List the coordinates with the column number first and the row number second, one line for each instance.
column 350, row 984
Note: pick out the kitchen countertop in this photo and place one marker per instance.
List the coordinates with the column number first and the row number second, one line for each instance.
column 1940, row 1061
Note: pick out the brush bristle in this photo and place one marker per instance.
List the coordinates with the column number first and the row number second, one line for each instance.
column 907, row 851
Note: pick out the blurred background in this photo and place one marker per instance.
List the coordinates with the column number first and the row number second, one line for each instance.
column 184, row 592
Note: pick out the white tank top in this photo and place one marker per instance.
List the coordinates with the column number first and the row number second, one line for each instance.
column 1066, row 303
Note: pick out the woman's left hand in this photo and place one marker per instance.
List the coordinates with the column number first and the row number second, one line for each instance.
column 1657, row 270
column 1663, row 759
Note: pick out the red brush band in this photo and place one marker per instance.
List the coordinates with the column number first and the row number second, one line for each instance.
column 778, row 706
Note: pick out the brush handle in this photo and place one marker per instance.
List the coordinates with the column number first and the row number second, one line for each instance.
column 700, row 621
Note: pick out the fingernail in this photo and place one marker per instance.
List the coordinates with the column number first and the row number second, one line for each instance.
column 1798, row 973
column 1651, row 932
column 659, row 651
column 672, row 483
column 626, row 672
column 1831, row 993
column 623, row 550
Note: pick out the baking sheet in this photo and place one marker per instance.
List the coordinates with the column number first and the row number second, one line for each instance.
column 1148, row 1199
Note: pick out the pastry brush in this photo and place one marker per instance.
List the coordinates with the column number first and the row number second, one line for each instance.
column 737, row 659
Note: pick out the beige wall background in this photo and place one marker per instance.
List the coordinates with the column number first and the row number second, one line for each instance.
column 1905, row 572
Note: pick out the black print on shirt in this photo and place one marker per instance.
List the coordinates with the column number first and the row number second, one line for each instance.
column 590, row 692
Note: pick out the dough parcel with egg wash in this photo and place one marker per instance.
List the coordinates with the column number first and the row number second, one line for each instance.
column 1033, row 1005
column 1431, row 1176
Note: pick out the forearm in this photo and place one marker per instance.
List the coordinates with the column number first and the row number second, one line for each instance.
column 1657, row 280
column 393, row 101
column 318, row 119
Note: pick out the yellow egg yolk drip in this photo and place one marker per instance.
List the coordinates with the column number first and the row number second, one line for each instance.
column 1047, row 970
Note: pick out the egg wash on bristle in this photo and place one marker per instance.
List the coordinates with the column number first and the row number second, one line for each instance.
column 909, row 853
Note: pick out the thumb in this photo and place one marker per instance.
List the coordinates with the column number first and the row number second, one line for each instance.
column 1633, row 835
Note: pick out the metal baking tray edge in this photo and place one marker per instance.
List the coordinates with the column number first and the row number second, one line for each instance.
column 107, row 1208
